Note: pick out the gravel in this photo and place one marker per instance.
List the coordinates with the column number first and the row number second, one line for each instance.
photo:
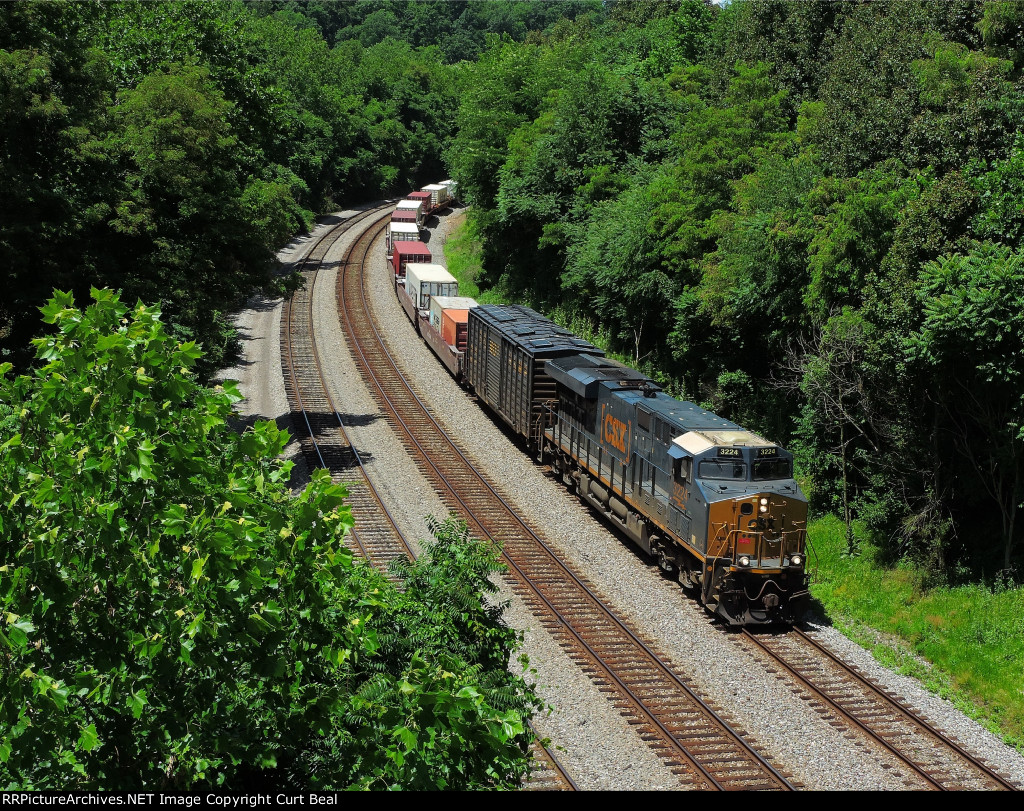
column 598, row 747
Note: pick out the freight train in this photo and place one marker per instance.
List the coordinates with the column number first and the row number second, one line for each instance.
column 714, row 504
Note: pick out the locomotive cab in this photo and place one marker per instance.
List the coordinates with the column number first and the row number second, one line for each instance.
column 754, row 569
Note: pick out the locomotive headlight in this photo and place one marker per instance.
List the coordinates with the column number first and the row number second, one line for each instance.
column 764, row 502
column 744, row 560
column 764, row 509
column 796, row 560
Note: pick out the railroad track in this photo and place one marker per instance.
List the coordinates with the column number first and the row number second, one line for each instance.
column 850, row 699
column 689, row 734
column 317, row 422
column 326, row 443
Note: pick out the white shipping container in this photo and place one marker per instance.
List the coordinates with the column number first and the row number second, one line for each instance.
column 402, row 232
column 451, row 186
column 439, row 304
column 438, row 194
column 424, row 280
column 412, row 205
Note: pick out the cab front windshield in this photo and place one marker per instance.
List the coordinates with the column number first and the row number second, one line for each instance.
column 722, row 469
column 765, row 469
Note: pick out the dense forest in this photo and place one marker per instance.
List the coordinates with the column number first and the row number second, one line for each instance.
column 168, row 150
column 805, row 216
column 172, row 616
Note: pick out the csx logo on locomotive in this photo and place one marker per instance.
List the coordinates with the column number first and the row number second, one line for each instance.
column 615, row 432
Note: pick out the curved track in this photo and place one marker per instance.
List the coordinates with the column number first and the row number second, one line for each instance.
column 326, row 444
column 317, row 421
column 641, row 683
column 692, row 738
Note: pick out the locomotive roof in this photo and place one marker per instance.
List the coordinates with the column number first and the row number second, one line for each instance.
column 529, row 330
column 689, row 416
column 694, row 442
column 585, row 375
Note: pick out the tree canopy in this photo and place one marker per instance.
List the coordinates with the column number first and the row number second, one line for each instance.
column 754, row 202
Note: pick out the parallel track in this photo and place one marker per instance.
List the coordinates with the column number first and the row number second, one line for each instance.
column 318, row 423
column 693, row 739
column 326, row 444
column 604, row 646
column 854, row 701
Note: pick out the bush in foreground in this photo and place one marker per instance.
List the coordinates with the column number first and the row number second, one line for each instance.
column 171, row 617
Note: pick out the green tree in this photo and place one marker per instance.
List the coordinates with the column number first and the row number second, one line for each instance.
column 56, row 181
column 972, row 341
column 189, row 219
column 614, row 274
column 172, row 617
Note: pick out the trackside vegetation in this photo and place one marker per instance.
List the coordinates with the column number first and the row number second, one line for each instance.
column 169, row 149
column 963, row 642
column 172, row 617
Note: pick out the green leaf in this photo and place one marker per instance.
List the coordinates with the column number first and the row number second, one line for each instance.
column 137, row 702
column 406, row 736
column 89, row 738
column 197, row 567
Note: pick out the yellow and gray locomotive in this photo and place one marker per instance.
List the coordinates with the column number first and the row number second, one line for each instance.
column 713, row 503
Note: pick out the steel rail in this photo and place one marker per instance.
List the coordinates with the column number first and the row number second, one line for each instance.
column 905, row 713
column 639, row 705
column 311, row 265
column 878, row 695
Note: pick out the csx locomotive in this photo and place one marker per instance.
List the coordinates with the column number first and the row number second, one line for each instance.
column 714, row 504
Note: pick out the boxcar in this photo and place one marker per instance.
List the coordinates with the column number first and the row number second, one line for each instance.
column 507, row 347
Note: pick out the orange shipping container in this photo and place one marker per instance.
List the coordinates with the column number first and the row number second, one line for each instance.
column 453, row 327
